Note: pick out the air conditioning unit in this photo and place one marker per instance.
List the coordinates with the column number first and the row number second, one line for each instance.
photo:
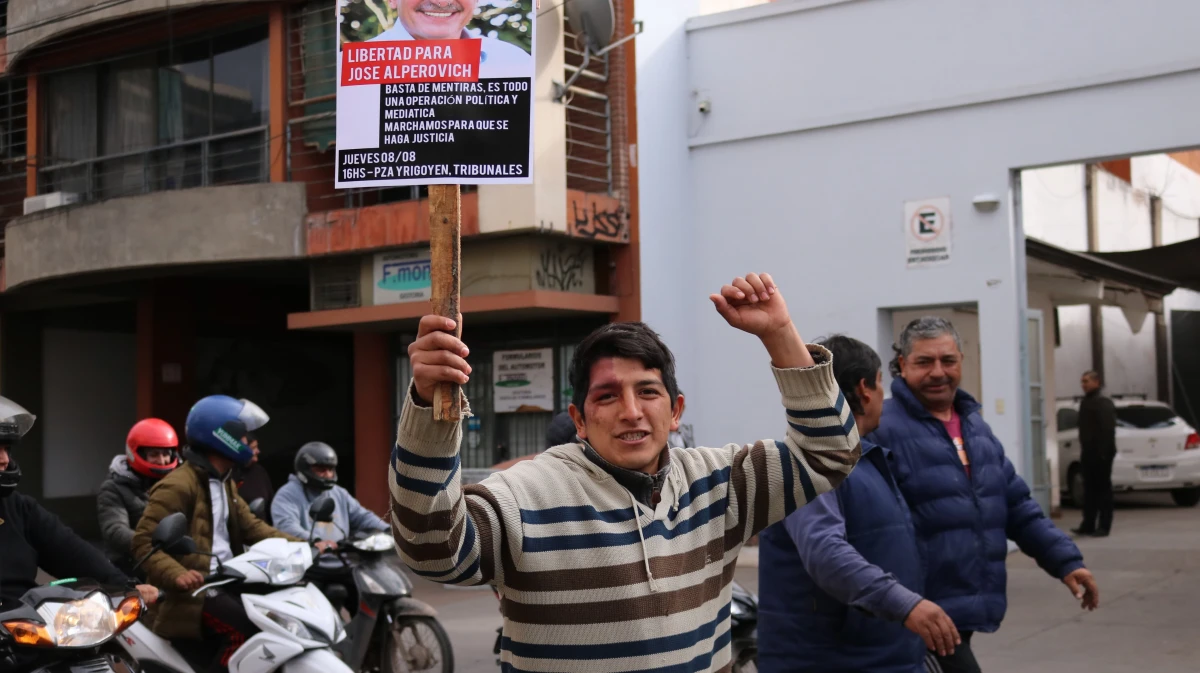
column 34, row 204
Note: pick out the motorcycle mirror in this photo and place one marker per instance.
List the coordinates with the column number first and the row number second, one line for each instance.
column 170, row 531
column 184, row 546
column 258, row 507
column 321, row 510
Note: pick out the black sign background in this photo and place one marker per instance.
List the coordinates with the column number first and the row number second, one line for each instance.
column 500, row 147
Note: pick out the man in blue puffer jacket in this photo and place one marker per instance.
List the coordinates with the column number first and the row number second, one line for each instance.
column 843, row 573
column 965, row 496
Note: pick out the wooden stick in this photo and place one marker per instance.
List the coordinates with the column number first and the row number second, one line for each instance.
column 445, row 223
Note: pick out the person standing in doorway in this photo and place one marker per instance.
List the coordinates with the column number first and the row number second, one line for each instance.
column 966, row 498
column 1098, row 448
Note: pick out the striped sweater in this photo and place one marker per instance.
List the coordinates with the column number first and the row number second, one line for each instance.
column 590, row 579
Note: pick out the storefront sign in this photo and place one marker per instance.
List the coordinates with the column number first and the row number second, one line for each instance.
column 523, row 380
column 402, row 276
column 442, row 101
column 927, row 232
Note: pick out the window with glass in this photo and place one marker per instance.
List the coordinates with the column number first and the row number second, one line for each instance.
column 191, row 115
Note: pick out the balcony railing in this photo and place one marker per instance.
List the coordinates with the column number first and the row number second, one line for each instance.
column 237, row 157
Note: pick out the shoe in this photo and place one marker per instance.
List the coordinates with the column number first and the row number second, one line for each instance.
column 1103, row 532
column 1083, row 531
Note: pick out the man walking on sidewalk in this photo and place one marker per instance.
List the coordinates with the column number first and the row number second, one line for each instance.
column 1097, row 449
column 966, row 498
column 616, row 552
column 842, row 577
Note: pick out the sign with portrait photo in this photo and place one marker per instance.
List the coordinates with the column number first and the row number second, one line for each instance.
column 434, row 92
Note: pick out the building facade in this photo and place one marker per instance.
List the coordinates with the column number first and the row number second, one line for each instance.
column 799, row 134
column 172, row 230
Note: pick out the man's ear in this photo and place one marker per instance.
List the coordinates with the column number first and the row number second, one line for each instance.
column 677, row 413
column 864, row 392
column 577, row 417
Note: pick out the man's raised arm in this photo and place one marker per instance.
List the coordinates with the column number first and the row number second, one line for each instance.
column 440, row 533
column 771, row 479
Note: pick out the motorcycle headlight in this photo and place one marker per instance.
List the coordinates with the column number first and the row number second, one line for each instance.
column 292, row 625
column 376, row 542
column 735, row 609
column 84, row 623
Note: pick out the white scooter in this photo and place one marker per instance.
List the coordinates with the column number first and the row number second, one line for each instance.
column 299, row 625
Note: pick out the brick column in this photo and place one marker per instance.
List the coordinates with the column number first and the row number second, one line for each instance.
column 373, row 431
column 166, row 354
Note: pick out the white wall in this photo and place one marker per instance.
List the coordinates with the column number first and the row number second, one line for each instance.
column 1073, row 356
column 89, row 402
column 1122, row 215
column 1129, row 359
column 805, row 175
column 1053, row 207
column 1179, row 188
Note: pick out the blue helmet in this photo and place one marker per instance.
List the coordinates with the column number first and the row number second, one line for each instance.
column 219, row 423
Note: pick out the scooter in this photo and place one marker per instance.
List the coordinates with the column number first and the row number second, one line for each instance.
column 299, row 626
column 68, row 626
column 743, row 629
column 389, row 630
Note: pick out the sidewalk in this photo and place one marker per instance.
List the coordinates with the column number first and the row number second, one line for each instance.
column 1149, row 617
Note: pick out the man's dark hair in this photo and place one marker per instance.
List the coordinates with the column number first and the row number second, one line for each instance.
column 632, row 340
column 1095, row 376
column 853, row 361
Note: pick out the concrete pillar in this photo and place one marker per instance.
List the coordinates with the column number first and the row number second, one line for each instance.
column 373, row 431
column 166, row 354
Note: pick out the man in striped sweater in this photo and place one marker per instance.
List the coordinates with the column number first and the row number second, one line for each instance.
column 616, row 553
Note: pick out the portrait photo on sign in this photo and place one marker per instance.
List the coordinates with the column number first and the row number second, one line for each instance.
column 504, row 27
column 434, row 92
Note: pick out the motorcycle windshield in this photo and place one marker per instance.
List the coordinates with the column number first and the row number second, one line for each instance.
column 382, row 577
column 11, row 412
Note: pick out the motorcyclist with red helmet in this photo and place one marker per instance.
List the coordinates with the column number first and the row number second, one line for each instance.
column 151, row 452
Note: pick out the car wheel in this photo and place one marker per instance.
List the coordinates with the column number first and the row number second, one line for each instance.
column 1186, row 497
column 1075, row 485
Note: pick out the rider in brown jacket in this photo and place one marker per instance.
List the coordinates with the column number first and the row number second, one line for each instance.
column 219, row 520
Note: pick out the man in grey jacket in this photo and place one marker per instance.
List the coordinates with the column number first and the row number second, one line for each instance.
column 315, row 476
column 151, row 452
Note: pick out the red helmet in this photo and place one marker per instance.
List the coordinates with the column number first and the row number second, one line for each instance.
column 151, row 433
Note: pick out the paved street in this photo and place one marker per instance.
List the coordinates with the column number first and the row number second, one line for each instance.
column 1149, row 574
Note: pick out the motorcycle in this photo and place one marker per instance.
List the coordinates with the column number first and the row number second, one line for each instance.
column 298, row 625
column 743, row 628
column 389, row 631
column 68, row 627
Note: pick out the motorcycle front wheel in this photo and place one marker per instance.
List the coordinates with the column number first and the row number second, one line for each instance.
column 416, row 645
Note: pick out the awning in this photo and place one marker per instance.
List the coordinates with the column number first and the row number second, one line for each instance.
column 1105, row 266
column 1073, row 278
column 1178, row 262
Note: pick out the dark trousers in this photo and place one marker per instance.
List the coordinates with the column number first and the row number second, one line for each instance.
column 1097, row 493
column 225, row 624
column 962, row 661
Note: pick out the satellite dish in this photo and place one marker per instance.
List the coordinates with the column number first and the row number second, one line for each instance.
column 594, row 20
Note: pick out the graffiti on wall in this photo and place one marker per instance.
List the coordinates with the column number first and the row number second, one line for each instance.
column 598, row 217
column 561, row 268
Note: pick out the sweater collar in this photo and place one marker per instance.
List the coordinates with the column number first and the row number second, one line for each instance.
column 643, row 486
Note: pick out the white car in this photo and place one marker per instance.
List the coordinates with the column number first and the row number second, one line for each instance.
column 1156, row 451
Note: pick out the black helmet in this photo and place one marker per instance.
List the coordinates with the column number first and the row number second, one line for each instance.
column 560, row 431
column 315, row 453
column 15, row 421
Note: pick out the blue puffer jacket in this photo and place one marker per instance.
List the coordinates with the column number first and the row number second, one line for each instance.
column 839, row 576
column 963, row 524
